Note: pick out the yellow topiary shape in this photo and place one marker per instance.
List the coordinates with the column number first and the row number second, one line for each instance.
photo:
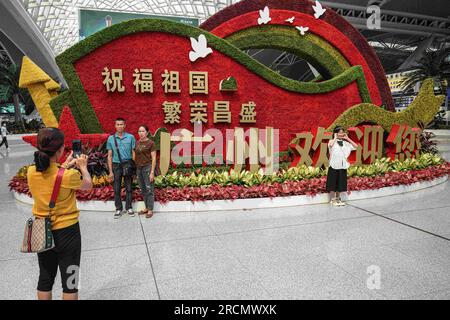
column 53, row 87
column 35, row 79
column 31, row 74
column 421, row 110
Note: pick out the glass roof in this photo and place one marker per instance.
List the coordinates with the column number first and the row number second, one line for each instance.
column 58, row 19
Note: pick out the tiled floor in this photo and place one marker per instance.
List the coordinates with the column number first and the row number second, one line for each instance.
column 308, row 252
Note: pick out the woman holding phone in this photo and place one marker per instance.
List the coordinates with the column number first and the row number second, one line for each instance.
column 340, row 148
column 64, row 218
column 145, row 164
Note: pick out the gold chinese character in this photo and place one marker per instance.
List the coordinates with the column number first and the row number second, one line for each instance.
column 222, row 113
column 171, row 81
column 198, row 112
column 172, row 111
column 301, row 147
column 411, row 142
column 403, row 142
column 198, row 82
column 356, row 134
column 321, row 139
column 372, row 147
column 113, row 80
column 370, row 144
column 248, row 113
column 143, row 80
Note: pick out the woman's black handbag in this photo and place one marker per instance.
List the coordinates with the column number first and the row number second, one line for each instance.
column 128, row 167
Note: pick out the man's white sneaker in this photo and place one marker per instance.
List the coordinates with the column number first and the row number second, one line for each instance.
column 118, row 214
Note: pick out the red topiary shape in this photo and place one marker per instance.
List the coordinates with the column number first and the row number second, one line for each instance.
column 68, row 125
column 31, row 140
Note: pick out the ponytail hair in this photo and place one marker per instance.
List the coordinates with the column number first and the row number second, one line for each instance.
column 41, row 160
column 49, row 141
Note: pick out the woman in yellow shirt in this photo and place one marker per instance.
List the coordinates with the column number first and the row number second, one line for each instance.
column 65, row 227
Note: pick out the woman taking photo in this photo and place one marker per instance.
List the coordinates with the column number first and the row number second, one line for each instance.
column 145, row 164
column 340, row 148
column 64, row 217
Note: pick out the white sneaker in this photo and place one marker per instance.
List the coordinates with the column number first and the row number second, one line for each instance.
column 340, row 203
column 130, row 212
column 118, row 214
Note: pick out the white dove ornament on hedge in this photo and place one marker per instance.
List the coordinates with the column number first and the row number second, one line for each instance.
column 290, row 20
column 302, row 30
column 200, row 48
column 318, row 10
column 264, row 16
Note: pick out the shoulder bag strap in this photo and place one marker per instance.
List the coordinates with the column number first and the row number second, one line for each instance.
column 56, row 188
column 117, row 148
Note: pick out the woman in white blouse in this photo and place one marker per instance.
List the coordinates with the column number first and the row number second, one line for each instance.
column 340, row 148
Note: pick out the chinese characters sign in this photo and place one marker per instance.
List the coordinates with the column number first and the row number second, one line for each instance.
column 148, row 78
column 311, row 148
column 198, row 84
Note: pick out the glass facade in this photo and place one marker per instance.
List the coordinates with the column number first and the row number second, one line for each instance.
column 59, row 22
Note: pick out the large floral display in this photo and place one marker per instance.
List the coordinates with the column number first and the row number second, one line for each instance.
column 174, row 78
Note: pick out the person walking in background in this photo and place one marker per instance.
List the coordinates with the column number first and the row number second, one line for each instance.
column 340, row 148
column 121, row 152
column 145, row 165
column 3, row 133
column 64, row 217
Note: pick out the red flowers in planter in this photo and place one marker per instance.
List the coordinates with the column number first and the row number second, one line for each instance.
column 308, row 187
column 19, row 185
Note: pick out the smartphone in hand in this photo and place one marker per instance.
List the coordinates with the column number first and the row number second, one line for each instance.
column 76, row 148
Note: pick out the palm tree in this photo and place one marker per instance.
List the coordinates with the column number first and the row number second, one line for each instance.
column 9, row 87
column 434, row 64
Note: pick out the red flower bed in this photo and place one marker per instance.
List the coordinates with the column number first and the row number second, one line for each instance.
column 309, row 187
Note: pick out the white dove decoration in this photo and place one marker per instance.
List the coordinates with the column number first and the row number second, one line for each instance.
column 264, row 16
column 200, row 48
column 302, row 30
column 290, row 20
column 318, row 10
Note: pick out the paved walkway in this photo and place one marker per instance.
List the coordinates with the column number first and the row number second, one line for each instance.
column 309, row 252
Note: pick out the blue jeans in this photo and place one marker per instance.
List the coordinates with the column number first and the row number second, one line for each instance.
column 147, row 187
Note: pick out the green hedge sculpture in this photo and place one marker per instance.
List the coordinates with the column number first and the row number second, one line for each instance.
column 82, row 109
column 421, row 110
